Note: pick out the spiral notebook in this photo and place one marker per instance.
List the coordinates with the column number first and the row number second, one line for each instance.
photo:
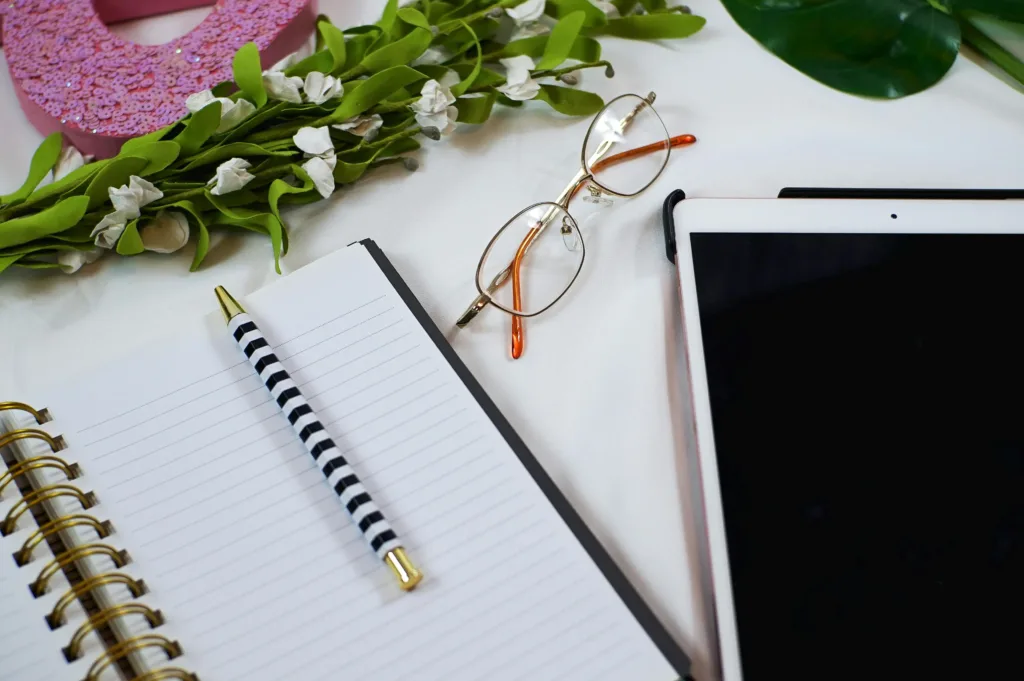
column 165, row 522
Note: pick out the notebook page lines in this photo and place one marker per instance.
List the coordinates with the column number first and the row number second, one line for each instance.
column 251, row 553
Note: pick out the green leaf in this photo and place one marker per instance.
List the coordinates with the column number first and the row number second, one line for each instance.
column 486, row 78
column 8, row 260
column 203, row 240
column 280, row 188
column 249, row 74
column 438, row 10
column 255, row 220
column 560, row 43
column 400, row 52
column 463, row 86
column 374, row 90
column 570, row 102
column 30, row 264
column 55, row 219
column 459, row 39
column 200, row 127
column 334, row 39
column 400, row 146
column 155, row 136
column 357, row 47
column 667, row 26
column 1008, row 10
column 232, row 150
column 130, row 242
column 43, row 161
column 476, row 110
column 413, row 17
column 321, row 61
column 264, row 115
column 66, row 185
column 594, row 15
column 387, row 20
column 114, row 174
column 158, row 154
column 876, row 48
column 583, row 49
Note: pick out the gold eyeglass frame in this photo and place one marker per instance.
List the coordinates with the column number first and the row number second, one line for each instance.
column 584, row 175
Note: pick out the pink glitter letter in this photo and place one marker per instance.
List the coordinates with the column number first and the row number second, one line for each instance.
column 72, row 74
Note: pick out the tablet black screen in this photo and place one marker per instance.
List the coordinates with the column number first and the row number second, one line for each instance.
column 867, row 394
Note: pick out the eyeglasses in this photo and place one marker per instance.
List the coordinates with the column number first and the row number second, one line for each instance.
column 551, row 260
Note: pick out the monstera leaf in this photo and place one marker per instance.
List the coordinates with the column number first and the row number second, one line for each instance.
column 874, row 48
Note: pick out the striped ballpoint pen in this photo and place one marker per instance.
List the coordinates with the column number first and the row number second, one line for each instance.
column 339, row 473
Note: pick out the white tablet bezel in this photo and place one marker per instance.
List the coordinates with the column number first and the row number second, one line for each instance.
column 790, row 216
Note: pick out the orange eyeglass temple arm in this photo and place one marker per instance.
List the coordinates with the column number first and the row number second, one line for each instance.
column 518, row 335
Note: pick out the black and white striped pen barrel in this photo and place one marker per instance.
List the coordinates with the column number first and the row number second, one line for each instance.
column 342, row 478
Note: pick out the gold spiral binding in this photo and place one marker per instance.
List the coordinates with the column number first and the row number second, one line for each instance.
column 120, row 559
column 71, row 471
column 86, row 499
column 154, row 617
column 41, row 416
column 56, row 443
column 115, row 653
column 56, row 617
column 75, row 553
column 168, row 673
column 24, row 555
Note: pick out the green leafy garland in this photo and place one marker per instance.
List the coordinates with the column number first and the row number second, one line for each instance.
column 55, row 225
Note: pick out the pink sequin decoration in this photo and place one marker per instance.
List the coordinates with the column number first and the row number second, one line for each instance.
column 73, row 75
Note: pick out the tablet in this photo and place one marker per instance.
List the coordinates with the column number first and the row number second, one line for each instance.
column 857, row 378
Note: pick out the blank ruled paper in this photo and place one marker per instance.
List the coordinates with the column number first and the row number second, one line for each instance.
column 251, row 556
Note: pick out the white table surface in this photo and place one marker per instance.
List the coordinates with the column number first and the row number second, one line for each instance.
column 596, row 395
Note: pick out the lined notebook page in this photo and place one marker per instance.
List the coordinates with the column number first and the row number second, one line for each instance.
column 252, row 558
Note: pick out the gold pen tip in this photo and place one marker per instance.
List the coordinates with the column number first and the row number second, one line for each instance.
column 228, row 305
column 408, row 575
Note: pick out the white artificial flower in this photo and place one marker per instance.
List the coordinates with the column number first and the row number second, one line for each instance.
column 132, row 197
column 110, row 229
column 318, row 147
column 518, row 83
column 231, row 112
column 610, row 10
column 283, row 88
column 320, row 88
column 71, row 159
column 528, row 12
column 128, row 201
column 166, row 233
column 72, row 261
column 361, row 125
column 434, row 108
column 231, row 176
column 435, row 54
column 321, row 171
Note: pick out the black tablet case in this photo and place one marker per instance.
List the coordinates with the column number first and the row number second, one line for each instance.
column 675, row 656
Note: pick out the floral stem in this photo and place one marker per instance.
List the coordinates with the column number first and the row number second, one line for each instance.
column 261, row 178
column 993, row 51
column 383, row 142
column 555, row 73
column 447, row 26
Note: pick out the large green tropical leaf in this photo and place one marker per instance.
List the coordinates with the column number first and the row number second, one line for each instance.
column 875, row 48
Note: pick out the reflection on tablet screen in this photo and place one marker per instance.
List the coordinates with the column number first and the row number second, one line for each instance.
column 867, row 393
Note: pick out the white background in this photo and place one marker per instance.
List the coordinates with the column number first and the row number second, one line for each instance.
column 596, row 395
